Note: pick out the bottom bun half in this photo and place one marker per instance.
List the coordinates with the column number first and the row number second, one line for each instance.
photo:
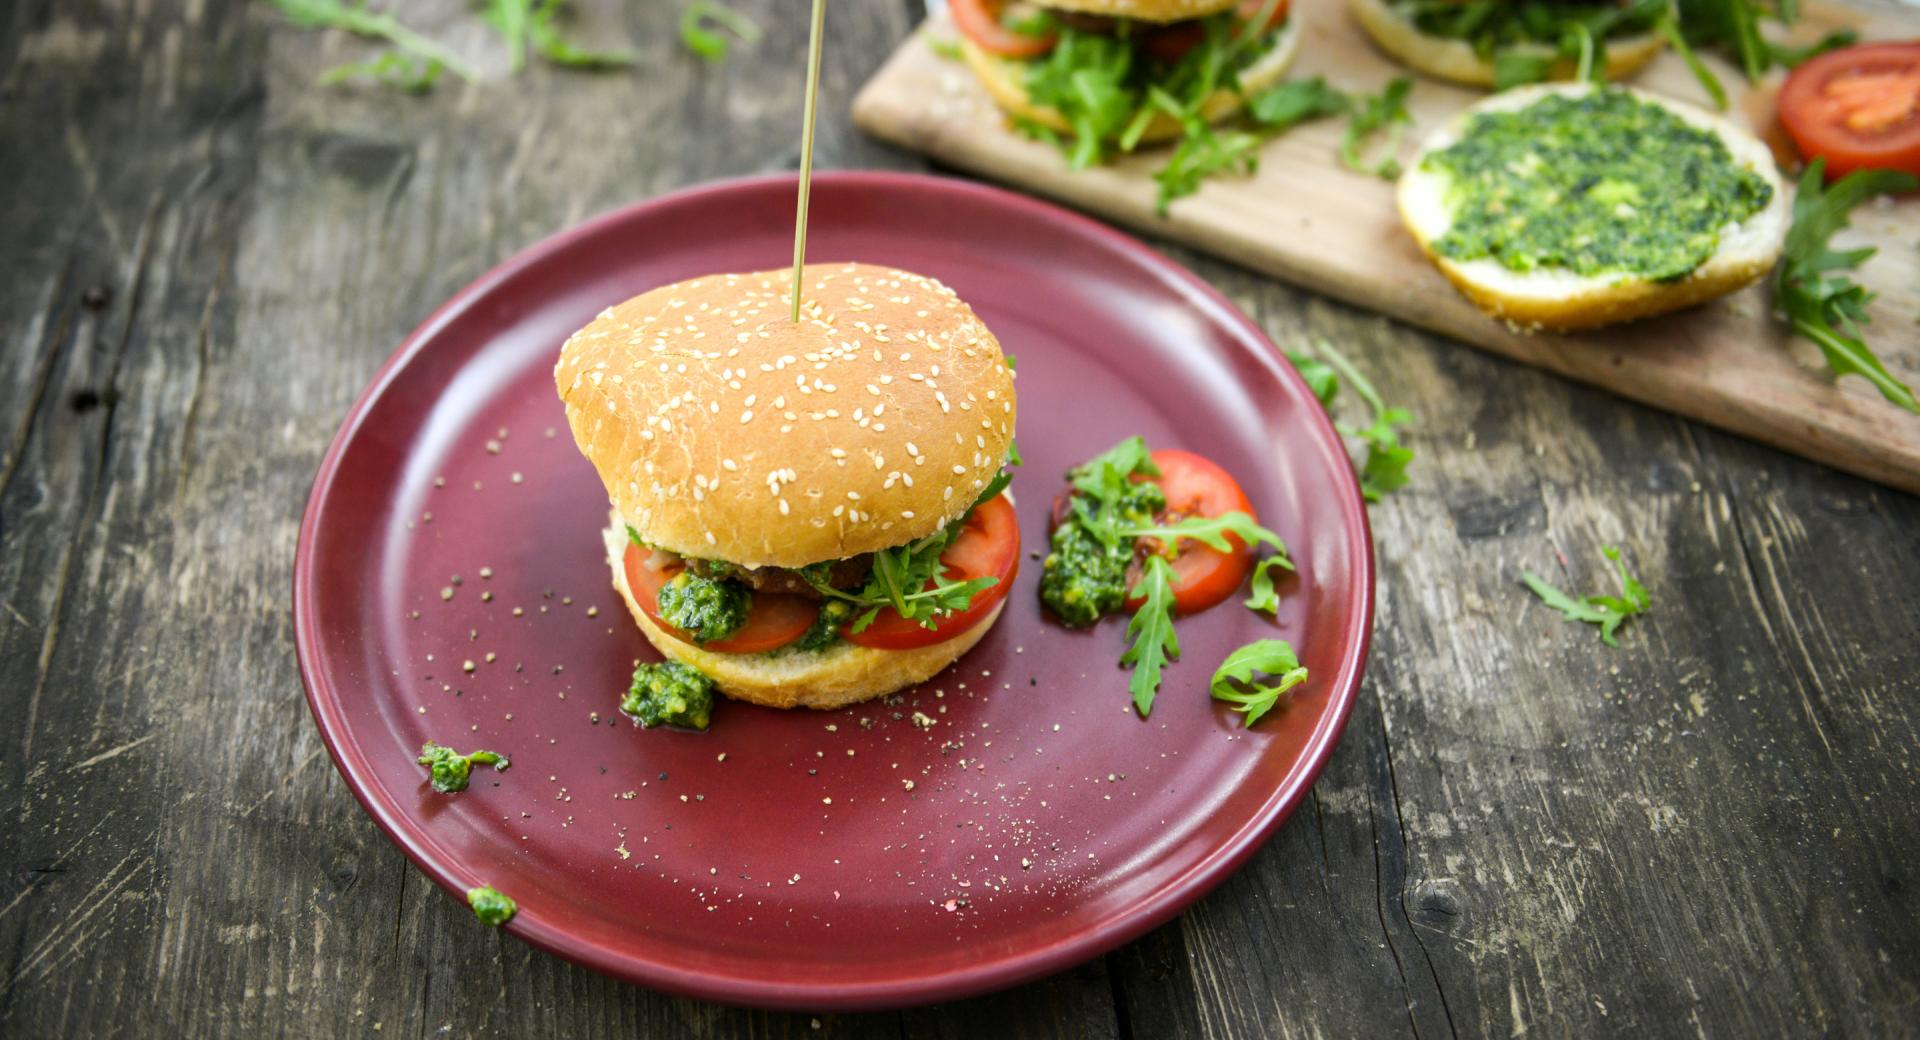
column 840, row 675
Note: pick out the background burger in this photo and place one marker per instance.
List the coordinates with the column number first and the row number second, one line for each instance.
column 809, row 514
column 1502, row 43
column 1104, row 73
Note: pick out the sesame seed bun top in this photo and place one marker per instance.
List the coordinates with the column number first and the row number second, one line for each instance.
column 723, row 430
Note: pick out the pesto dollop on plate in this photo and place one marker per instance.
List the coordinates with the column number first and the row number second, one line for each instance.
column 1594, row 183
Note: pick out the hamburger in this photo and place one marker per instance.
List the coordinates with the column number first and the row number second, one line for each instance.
column 1117, row 73
column 1501, row 44
column 810, row 513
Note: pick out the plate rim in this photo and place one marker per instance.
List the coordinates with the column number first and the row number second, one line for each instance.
column 989, row 974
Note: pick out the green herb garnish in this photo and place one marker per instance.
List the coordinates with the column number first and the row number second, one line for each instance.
column 1609, row 612
column 945, row 48
column 1110, row 91
column 1813, row 291
column 448, row 770
column 423, row 56
column 1287, row 105
column 1234, row 680
column 1151, row 641
column 394, row 69
column 1384, row 468
column 910, row 578
column 543, row 32
column 1374, row 113
column 491, row 905
column 697, row 29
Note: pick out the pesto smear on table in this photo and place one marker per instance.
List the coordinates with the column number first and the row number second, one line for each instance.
column 1598, row 183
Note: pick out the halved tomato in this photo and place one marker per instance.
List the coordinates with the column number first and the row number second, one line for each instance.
column 773, row 620
column 979, row 21
column 1196, row 486
column 1858, row 107
column 988, row 547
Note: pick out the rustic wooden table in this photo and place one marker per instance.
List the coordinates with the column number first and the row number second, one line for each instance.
column 205, row 257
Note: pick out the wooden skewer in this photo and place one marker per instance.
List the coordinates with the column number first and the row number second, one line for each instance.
column 806, row 151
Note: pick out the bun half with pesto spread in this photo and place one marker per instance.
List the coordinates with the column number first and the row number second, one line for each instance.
column 1573, row 206
column 810, row 514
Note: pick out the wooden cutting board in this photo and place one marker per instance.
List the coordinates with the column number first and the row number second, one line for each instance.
column 1306, row 219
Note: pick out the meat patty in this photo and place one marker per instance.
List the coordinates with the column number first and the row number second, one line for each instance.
column 845, row 574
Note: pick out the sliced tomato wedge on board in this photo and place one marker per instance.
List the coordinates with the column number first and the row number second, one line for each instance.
column 979, row 21
column 1195, row 486
column 988, row 547
column 1858, row 108
column 773, row 620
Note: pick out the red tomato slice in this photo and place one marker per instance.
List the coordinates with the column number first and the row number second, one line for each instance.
column 979, row 21
column 988, row 546
column 1172, row 42
column 1195, row 486
column 1859, row 108
column 773, row 620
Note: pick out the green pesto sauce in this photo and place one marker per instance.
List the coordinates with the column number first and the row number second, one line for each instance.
column 491, row 906
column 1600, row 183
column 448, row 769
column 1083, row 578
column 825, row 631
column 703, row 608
column 671, row 693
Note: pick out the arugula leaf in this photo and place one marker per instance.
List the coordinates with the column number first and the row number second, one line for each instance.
column 1384, row 468
column 945, row 48
column 509, row 18
column 1265, row 599
column 1201, row 153
column 1821, row 303
column 1676, row 39
column 1794, row 57
column 1735, row 24
column 1210, row 531
column 1289, row 104
column 708, row 43
column 549, row 44
column 1517, row 68
column 391, row 69
column 1234, row 680
column 1386, row 111
column 1105, row 489
column 357, row 19
column 1609, row 612
column 1320, row 377
column 910, row 578
column 1150, row 636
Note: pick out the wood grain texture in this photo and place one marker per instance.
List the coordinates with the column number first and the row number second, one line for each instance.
column 1305, row 218
column 206, row 258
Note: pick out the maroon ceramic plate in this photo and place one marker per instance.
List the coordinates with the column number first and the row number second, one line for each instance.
column 451, row 586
